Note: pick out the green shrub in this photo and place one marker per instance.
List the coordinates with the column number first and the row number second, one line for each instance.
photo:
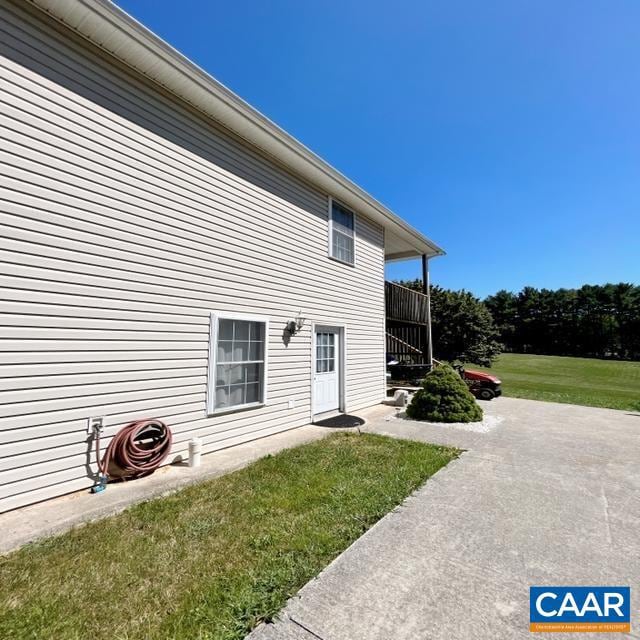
column 444, row 397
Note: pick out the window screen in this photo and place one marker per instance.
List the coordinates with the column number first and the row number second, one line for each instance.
column 239, row 363
column 342, row 240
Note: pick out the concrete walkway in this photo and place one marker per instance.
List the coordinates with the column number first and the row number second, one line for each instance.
column 551, row 496
column 55, row 516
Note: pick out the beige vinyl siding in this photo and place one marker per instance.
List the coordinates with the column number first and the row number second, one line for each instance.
column 126, row 219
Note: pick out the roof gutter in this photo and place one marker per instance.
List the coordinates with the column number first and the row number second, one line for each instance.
column 120, row 35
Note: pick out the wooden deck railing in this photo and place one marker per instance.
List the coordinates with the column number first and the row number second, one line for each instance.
column 405, row 305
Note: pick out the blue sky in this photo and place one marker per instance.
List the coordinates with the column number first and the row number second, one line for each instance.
column 508, row 131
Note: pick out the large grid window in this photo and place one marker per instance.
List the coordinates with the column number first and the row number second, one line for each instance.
column 239, row 363
column 342, row 233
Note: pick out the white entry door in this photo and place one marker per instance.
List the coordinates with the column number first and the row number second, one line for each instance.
column 326, row 377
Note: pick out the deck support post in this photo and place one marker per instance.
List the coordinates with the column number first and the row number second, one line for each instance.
column 426, row 289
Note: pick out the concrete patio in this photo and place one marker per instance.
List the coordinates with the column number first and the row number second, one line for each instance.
column 550, row 496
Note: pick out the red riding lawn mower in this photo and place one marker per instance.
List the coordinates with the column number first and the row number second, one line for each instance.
column 482, row 385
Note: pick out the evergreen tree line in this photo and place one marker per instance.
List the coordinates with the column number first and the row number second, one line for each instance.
column 595, row 321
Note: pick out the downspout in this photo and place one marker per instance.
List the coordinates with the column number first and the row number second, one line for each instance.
column 426, row 289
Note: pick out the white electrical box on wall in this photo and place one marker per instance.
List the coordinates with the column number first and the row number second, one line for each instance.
column 95, row 424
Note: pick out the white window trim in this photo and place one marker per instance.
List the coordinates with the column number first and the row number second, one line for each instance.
column 213, row 342
column 330, row 243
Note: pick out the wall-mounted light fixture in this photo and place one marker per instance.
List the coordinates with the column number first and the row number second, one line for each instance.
column 295, row 325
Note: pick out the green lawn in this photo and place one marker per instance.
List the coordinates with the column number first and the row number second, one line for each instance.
column 216, row 558
column 586, row 381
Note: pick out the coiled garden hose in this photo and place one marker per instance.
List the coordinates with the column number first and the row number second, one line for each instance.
column 136, row 450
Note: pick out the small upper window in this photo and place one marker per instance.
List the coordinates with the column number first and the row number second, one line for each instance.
column 342, row 233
